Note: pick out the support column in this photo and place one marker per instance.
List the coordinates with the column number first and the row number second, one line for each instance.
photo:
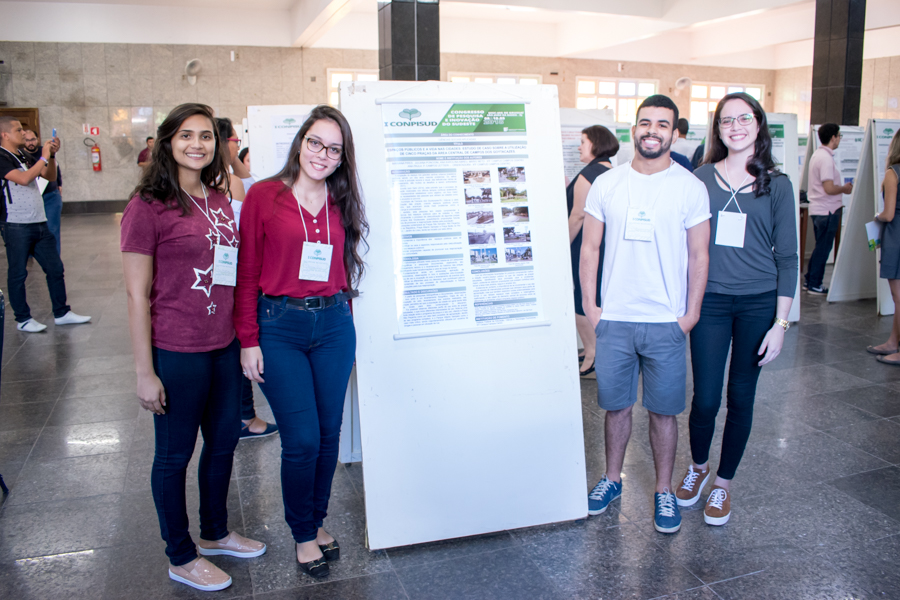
column 409, row 47
column 837, row 61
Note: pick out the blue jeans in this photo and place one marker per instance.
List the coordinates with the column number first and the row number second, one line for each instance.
column 825, row 228
column 308, row 358
column 23, row 240
column 248, row 413
column 53, row 209
column 740, row 322
column 202, row 392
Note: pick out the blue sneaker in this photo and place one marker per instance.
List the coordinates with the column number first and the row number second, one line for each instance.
column 271, row 429
column 666, row 517
column 603, row 493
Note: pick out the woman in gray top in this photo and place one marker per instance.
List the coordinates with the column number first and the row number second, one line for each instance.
column 753, row 270
column 890, row 250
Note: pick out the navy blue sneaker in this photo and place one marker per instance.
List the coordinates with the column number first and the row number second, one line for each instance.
column 603, row 493
column 666, row 517
column 271, row 429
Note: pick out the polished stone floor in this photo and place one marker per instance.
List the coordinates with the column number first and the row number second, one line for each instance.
column 816, row 510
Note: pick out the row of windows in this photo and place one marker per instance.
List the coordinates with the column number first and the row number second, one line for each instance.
column 621, row 96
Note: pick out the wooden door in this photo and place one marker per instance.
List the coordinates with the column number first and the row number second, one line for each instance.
column 27, row 116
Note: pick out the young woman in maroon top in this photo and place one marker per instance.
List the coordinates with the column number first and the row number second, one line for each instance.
column 180, row 307
column 292, row 314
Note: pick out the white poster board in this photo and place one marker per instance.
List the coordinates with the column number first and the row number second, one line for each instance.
column 271, row 130
column 573, row 121
column 459, row 427
column 856, row 269
column 783, row 129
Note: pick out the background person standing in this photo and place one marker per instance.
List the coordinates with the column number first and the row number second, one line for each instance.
column 52, row 193
column 826, row 204
column 146, row 154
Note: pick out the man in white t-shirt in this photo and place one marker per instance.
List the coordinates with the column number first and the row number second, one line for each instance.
column 655, row 215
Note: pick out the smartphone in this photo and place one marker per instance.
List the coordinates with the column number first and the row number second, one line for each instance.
column 54, row 132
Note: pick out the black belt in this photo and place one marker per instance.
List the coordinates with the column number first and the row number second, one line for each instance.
column 314, row 302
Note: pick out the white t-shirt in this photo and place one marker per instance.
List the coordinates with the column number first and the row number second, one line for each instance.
column 646, row 282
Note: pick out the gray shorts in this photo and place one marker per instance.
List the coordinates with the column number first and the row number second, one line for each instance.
column 626, row 349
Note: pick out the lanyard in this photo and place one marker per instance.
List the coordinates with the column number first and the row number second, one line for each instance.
column 661, row 185
column 206, row 212
column 734, row 191
column 303, row 219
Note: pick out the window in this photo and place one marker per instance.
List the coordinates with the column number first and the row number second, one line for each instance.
column 456, row 77
column 705, row 97
column 622, row 96
column 336, row 76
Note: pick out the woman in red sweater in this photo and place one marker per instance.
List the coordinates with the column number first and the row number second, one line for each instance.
column 300, row 232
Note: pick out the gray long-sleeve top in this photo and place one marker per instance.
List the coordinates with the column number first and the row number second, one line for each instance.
column 768, row 260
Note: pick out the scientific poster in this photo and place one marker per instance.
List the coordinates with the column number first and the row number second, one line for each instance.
column 461, row 225
column 776, row 130
column 284, row 129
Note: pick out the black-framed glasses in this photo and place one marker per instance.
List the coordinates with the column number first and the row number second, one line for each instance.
column 744, row 120
column 315, row 146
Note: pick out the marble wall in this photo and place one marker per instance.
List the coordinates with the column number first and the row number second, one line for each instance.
column 127, row 89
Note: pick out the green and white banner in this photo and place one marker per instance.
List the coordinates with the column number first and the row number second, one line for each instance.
column 461, row 212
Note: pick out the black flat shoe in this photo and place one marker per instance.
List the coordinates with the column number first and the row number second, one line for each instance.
column 317, row 568
column 331, row 551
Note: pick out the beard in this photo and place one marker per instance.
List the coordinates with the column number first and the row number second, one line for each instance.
column 663, row 147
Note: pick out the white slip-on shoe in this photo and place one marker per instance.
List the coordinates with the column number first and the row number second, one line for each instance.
column 71, row 318
column 30, row 326
column 203, row 576
column 234, row 545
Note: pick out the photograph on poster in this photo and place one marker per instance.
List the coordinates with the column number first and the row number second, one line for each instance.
column 513, row 193
column 519, row 254
column 475, row 177
column 479, row 217
column 483, row 256
column 478, row 196
column 517, row 234
column 516, row 214
column 482, row 236
column 512, row 174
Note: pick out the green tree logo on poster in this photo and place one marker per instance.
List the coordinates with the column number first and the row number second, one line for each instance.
column 289, row 121
column 410, row 113
column 888, row 131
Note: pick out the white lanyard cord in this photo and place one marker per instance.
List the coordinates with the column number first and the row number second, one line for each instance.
column 734, row 191
column 206, row 212
column 661, row 185
column 303, row 219
column 21, row 164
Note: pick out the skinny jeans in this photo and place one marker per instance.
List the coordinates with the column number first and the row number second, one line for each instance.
column 33, row 239
column 202, row 392
column 308, row 357
column 825, row 229
column 740, row 322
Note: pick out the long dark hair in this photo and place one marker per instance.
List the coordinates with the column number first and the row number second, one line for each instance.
column 343, row 185
column 761, row 162
column 160, row 181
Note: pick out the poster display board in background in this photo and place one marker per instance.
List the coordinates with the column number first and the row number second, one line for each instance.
column 783, row 129
column 271, row 130
column 454, row 422
column 459, row 176
column 856, row 268
column 574, row 120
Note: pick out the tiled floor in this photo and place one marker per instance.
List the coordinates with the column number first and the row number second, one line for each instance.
column 816, row 500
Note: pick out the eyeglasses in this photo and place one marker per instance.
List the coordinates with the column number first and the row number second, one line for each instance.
column 315, row 146
column 745, row 120
column 238, row 140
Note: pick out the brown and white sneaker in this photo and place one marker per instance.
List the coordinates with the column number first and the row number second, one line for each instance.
column 200, row 574
column 718, row 507
column 234, row 545
column 692, row 484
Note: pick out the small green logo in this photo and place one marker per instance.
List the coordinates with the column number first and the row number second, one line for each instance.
column 888, row 131
column 410, row 113
column 318, row 252
column 290, row 121
column 642, row 214
column 226, row 256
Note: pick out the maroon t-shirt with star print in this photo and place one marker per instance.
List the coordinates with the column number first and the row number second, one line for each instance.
column 187, row 312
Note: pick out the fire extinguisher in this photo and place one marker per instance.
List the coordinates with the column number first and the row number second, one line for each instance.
column 95, row 154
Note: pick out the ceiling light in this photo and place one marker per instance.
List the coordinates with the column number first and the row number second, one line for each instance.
column 729, row 18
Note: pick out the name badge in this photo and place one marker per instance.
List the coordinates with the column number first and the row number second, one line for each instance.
column 225, row 266
column 315, row 263
column 730, row 229
column 639, row 225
